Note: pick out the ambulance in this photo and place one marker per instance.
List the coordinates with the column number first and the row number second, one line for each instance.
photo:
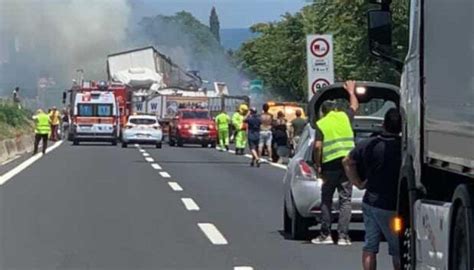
column 95, row 116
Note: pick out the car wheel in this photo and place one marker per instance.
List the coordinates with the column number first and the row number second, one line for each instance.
column 299, row 225
column 204, row 145
column 213, row 145
column 158, row 145
column 179, row 142
column 114, row 142
column 75, row 142
column 286, row 220
column 171, row 142
column 124, row 145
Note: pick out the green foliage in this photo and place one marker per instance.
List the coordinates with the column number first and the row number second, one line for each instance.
column 215, row 25
column 13, row 120
column 278, row 55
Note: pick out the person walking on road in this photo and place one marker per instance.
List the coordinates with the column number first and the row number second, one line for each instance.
column 265, row 131
column 42, row 129
column 222, row 123
column 253, row 125
column 334, row 139
column 233, row 131
column 55, row 121
column 241, row 130
column 280, row 137
column 297, row 126
column 379, row 160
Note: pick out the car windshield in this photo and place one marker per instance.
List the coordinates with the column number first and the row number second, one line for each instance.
column 142, row 121
column 195, row 115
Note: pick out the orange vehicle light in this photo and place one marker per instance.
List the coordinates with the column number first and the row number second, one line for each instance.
column 397, row 224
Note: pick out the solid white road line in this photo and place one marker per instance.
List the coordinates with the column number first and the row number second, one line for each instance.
column 243, row 268
column 175, row 186
column 10, row 174
column 145, row 154
column 212, row 233
column 165, row 175
column 190, row 204
column 156, row 166
column 281, row 166
column 149, row 159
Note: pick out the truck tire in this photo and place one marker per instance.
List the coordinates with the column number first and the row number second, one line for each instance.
column 114, row 142
column 75, row 142
column 158, row 145
column 124, row 145
column 462, row 232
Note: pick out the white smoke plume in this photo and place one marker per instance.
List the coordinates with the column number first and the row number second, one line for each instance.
column 56, row 37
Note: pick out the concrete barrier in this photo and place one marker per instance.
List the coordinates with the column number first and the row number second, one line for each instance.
column 10, row 148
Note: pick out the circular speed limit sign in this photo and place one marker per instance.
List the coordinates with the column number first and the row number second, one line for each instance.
column 320, row 47
column 318, row 84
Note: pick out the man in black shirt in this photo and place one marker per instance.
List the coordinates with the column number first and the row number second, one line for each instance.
column 253, row 126
column 379, row 160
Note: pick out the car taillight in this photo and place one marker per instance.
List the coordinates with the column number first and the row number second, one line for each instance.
column 306, row 170
column 186, row 126
column 211, row 126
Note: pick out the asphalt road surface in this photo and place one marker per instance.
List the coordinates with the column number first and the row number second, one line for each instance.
column 97, row 206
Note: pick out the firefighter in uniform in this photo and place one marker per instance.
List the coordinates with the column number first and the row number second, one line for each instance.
column 42, row 130
column 241, row 131
column 222, row 123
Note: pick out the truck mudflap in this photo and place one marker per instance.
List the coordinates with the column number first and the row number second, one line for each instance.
column 432, row 226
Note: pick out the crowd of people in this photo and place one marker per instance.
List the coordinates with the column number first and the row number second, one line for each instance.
column 263, row 133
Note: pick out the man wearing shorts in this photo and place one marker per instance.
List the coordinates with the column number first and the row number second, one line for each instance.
column 266, row 120
column 379, row 160
column 253, row 129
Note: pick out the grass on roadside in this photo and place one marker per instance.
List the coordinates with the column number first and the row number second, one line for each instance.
column 14, row 121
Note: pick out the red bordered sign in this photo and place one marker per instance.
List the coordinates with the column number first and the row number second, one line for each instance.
column 318, row 84
column 320, row 47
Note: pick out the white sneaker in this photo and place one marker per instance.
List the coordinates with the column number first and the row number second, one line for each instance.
column 344, row 241
column 322, row 240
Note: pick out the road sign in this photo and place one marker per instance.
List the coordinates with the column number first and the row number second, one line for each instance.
column 256, row 86
column 319, row 62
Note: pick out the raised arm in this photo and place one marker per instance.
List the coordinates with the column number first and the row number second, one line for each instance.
column 350, row 87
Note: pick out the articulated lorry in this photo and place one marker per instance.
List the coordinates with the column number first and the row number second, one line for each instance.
column 436, row 189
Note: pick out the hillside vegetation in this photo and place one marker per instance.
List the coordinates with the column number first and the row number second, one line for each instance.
column 13, row 121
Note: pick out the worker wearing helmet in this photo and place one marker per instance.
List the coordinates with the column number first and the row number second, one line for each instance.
column 222, row 123
column 241, row 130
column 42, row 129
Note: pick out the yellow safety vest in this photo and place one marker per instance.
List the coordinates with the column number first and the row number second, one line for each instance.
column 222, row 121
column 338, row 135
column 237, row 120
column 42, row 124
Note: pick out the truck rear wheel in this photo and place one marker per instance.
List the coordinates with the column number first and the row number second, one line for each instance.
column 462, row 232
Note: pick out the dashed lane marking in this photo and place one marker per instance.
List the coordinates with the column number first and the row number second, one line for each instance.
column 10, row 174
column 156, row 166
column 137, row 145
column 145, row 154
column 149, row 159
column 190, row 204
column 243, row 268
column 165, row 175
column 175, row 186
column 213, row 234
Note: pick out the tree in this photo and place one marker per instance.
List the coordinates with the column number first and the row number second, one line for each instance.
column 214, row 24
column 278, row 54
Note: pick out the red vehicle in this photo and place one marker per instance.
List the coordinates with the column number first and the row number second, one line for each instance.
column 193, row 126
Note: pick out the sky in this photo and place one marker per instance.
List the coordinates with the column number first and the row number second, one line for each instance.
column 232, row 13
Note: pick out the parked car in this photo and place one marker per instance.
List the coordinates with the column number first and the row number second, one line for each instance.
column 142, row 129
column 194, row 126
column 302, row 184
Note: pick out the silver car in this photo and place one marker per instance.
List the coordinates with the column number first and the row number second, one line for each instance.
column 302, row 184
column 142, row 129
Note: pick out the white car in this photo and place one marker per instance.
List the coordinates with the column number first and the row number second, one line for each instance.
column 142, row 129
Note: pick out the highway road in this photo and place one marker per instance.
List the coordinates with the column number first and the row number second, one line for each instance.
column 96, row 206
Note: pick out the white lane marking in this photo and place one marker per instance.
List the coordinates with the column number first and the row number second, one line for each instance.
column 165, row 175
column 276, row 165
column 243, row 268
column 190, row 204
column 156, row 166
column 212, row 233
column 145, row 154
column 10, row 174
column 175, row 186
column 149, row 159
column 137, row 145
column 232, row 151
column 247, row 155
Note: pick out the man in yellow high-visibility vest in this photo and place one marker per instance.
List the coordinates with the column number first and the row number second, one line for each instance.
column 334, row 140
column 42, row 129
column 222, row 123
